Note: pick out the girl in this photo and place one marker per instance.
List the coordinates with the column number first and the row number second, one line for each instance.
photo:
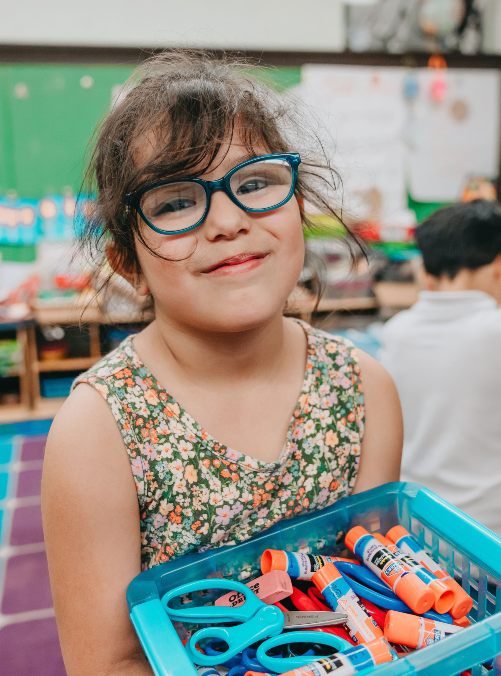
column 222, row 416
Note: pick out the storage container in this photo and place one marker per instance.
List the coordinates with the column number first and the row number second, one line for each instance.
column 468, row 550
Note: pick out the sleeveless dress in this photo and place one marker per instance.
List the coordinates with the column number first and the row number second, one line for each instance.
column 194, row 492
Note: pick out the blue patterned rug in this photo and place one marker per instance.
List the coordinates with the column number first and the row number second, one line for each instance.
column 28, row 636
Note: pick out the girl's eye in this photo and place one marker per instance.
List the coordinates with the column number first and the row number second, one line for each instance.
column 173, row 206
column 252, row 185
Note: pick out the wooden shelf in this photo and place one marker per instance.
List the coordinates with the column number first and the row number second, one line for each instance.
column 70, row 364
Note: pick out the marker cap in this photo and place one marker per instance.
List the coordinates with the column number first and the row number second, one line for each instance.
column 402, row 628
column 462, row 622
column 353, row 535
column 274, row 559
column 397, row 532
column 415, row 593
column 323, row 577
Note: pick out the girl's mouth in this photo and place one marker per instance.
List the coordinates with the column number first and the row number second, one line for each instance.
column 236, row 264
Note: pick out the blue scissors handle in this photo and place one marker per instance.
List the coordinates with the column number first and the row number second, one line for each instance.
column 210, row 613
column 267, row 621
column 281, row 664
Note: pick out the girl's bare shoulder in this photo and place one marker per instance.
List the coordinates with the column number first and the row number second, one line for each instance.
column 84, row 435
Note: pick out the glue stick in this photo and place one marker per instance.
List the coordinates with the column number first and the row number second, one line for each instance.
column 296, row 564
column 444, row 597
column 406, row 585
column 340, row 597
column 348, row 662
column 414, row 631
column 409, row 545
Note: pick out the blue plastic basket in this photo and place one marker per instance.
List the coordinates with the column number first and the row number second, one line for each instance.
column 468, row 550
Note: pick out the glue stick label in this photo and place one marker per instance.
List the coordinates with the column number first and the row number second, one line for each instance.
column 341, row 597
column 383, row 563
column 413, row 565
column 432, row 632
column 302, row 566
column 342, row 664
column 338, row 664
column 409, row 546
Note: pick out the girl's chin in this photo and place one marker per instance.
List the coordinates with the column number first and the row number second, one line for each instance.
column 241, row 321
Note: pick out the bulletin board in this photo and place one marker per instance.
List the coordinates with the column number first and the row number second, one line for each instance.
column 405, row 137
column 379, row 136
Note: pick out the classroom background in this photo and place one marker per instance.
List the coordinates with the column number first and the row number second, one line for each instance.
column 407, row 95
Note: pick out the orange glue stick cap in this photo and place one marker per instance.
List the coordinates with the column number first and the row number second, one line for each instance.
column 273, row 559
column 416, row 594
column 380, row 651
column 401, row 628
column 397, row 532
column 323, row 577
column 462, row 602
column 444, row 598
column 353, row 535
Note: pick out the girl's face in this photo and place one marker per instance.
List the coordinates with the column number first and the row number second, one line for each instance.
column 190, row 290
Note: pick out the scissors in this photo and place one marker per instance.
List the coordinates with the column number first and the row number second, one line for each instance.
column 307, row 602
column 252, row 621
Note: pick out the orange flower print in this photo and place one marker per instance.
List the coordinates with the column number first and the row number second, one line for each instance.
column 191, row 474
column 236, row 496
column 151, row 397
column 331, row 439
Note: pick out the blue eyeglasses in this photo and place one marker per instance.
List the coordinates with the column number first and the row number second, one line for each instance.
column 260, row 184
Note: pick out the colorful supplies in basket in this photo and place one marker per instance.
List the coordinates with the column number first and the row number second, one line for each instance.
column 463, row 548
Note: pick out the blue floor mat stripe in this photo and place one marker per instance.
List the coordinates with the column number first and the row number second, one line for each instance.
column 26, row 428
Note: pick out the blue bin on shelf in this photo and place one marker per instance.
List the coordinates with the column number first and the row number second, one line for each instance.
column 56, row 387
column 468, row 550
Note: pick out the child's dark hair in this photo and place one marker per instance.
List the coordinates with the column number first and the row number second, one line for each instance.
column 462, row 236
column 188, row 103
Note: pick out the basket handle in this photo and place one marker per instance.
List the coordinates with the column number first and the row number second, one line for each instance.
column 478, row 542
column 161, row 644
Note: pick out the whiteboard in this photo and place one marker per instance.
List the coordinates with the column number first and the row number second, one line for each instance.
column 363, row 117
column 457, row 137
column 385, row 145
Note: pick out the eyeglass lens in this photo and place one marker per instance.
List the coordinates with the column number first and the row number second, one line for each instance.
column 260, row 185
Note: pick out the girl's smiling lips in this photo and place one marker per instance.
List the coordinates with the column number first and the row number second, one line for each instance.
column 239, row 263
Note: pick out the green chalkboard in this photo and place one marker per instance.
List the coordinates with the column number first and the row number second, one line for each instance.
column 50, row 112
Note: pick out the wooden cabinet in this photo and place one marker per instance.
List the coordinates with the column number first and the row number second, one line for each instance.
column 90, row 326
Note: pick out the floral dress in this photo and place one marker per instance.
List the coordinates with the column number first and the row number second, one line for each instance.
column 194, row 492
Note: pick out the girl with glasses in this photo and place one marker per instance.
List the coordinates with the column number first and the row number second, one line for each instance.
column 222, row 417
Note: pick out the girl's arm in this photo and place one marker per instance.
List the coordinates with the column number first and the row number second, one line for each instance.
column 383, row 438
column 91, row 526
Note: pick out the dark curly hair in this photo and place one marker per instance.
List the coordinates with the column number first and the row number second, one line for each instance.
column 190, row 102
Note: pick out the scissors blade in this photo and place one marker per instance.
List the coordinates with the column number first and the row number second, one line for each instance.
column 300, row 619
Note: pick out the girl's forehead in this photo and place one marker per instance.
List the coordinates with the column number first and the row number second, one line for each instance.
column 234, row 149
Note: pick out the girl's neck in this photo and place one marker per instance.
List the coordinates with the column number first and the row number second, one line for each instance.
column 217, row 358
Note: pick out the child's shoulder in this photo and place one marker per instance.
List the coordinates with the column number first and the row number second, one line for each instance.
column 328, row 346
column 109, row 366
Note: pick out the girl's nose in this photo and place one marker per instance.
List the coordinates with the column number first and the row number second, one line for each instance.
column 225, row 219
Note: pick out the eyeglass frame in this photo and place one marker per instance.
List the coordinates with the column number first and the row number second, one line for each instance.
column 133, row 199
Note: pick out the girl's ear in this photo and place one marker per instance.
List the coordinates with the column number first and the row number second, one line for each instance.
column 135, row 279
